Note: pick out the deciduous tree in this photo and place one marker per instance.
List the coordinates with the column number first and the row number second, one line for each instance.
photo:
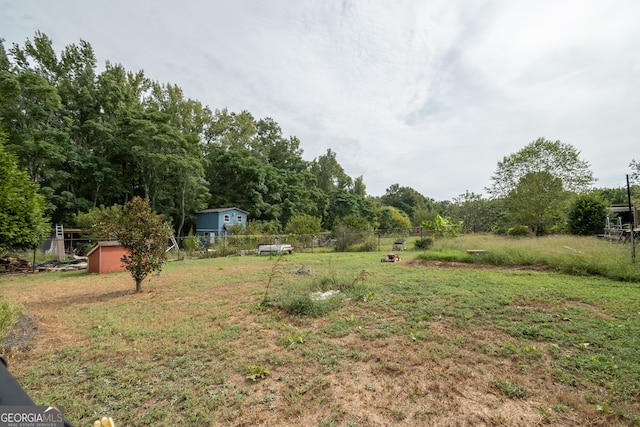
column 407, row 199
column 537, row 181
column 23, row 224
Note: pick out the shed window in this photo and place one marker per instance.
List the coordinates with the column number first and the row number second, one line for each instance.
column 239, row 219
column 226, row 218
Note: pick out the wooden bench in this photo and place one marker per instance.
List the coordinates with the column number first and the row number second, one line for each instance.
column 475, row 251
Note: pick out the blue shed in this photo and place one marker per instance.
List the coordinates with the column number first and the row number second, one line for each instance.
column 216, row 222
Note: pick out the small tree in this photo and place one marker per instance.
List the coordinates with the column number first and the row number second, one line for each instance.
column 304, row 227
column 352, row 230
column 144, row 234
column 304, row 224
column 443, row 226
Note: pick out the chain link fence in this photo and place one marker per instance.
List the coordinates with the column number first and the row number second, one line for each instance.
column 339, row 241
column 240, row 244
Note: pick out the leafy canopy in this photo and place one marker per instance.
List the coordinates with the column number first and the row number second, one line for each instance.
column 23, row 223
column 536, row 182
column 562, row 161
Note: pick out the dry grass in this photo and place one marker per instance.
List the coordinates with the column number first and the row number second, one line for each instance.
column 424, row 346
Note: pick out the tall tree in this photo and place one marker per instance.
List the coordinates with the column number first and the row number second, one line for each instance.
column 635, row 170
column 23, row 224
column 537, row 181
column 31, row 109
column 560, row 160
column 230, row 130
column 537, row 201
column 478, row 215
column 330, row 175
column 406, row 199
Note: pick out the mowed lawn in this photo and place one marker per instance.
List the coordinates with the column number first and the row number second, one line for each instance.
column 244, row 341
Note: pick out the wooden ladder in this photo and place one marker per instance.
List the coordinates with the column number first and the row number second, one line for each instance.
column 174, row 245
column 60, row 242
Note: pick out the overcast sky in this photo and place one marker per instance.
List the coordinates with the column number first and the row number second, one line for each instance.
column 426, row 94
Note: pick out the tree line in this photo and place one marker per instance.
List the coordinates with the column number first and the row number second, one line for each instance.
column 87, row 138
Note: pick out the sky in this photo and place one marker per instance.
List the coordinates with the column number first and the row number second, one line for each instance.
column 426, row 94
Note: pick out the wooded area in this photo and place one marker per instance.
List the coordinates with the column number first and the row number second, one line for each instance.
column 91, row 136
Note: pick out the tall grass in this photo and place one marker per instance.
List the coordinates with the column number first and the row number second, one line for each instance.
column 567, row 254
column 9, row 315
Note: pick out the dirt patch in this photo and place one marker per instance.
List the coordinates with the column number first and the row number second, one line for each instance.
column 22, row 335
column 474, row 266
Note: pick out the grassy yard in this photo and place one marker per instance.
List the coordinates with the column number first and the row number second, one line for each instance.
column 243, row 341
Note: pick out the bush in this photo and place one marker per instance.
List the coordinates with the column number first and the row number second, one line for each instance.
column 587, row 215
column 518, row 230
column 424, row 244
column 192, row 243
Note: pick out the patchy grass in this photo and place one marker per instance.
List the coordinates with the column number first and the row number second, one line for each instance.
column 401, row 343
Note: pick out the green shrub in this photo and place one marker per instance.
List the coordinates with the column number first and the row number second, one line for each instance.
column 424, row 244
column 587, row 215
column 192, row 243
column 518, row 230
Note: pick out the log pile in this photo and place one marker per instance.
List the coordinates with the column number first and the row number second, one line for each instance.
column 10, row 264
column 15, row 265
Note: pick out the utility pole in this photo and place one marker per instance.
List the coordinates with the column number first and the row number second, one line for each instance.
column 633, row 235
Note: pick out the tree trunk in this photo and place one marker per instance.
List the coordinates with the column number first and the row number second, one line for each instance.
column 138, row 285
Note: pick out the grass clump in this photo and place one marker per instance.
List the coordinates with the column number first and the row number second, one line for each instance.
column 304, row 305
column 510, row 389
column 9, row 315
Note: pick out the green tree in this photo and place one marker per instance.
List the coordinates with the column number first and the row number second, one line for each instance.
column 31, row 109
column 144, row 235
column 352, row 230
column 560, row 160
column 97, row 221
column 23, row 224
column 391, row 218
column 635, row 170
column 478, row 215
column 443, row 226
column 539, row 200
column 407, row 200
column 343, row 203
column 330, row 175
column 537, row 182
column 304, row 227
column 616, row 196
column 304, row 224
column 588, row 215
column 230, row 130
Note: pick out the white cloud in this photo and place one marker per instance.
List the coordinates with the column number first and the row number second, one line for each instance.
column 425, row 94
